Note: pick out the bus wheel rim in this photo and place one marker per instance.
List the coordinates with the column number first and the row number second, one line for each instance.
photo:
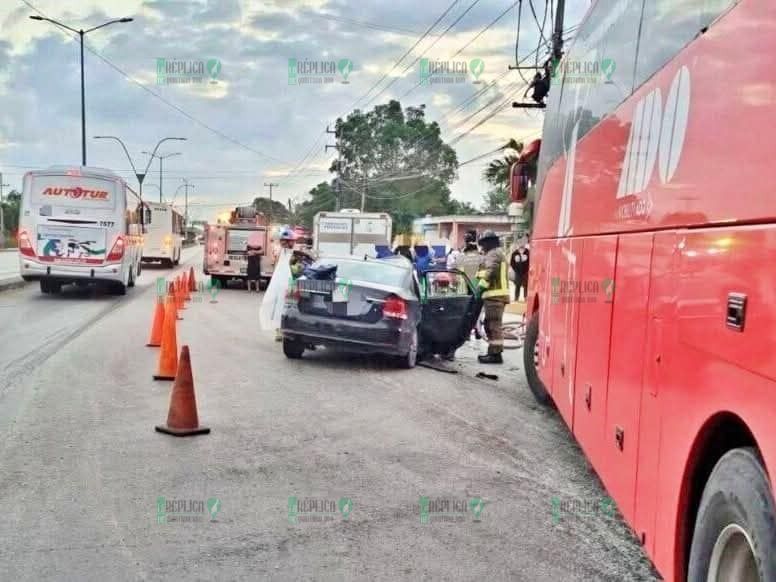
column 733, row 556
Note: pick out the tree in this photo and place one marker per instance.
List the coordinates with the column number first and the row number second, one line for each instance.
column 496, row 201
column 11, row 205
column 390, row 160
column 272, row 208
column 497, row 172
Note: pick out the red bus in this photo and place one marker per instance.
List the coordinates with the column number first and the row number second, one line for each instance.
column 652, row 282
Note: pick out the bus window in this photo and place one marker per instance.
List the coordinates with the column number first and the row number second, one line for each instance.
column 148, row 213
column 668, row 26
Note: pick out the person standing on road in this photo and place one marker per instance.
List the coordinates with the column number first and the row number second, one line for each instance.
column 253, row 273
column 275, row 295
column 493, row 283
column 519, row 263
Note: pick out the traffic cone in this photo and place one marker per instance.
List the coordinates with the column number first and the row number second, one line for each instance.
column 158, row 324
column 179, row 294
column 172, row 299
column 168, row 355
column 182, row 419
column 192, row 280
column 185, row 286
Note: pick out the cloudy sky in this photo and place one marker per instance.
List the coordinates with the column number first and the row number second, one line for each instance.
column 251, row 126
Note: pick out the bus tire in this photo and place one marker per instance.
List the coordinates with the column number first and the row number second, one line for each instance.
column 529, row 362
column 118, row 288
column 131, row 278
column 177, row 259
column 167, row 263
column 44, row 287
column 293, row 349
column 735, row 530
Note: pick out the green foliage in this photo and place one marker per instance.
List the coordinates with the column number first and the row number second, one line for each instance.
column 277, row 211
column 394, row 161
column 496, row 201
column 11, row 204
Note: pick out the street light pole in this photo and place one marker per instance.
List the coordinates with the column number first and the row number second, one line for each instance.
column 2, row 213
column 81, row 33
column 161, row 159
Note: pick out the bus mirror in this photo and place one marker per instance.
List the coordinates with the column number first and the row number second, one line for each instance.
column 518, row 182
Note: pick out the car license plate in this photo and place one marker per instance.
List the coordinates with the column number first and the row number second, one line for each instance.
column 243, row 270
column 339, row 295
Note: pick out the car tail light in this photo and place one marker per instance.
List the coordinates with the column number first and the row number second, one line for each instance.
column 167, row 240
column 395, row 308
column 25, row 244
column 117, row 252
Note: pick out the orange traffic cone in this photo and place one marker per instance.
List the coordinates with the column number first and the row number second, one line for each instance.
column 173, row 300
column 156, row 327
column 182, row 419
column 192, row 280
column 168, row 355
column 179, row 293
column 185, row 286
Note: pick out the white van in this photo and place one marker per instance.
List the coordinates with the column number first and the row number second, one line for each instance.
column 163, row 238
column 78, row 224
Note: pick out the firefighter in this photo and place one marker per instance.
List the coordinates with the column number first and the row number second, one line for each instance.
column 493, row 283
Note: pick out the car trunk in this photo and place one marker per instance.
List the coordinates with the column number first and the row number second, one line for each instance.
column 341, row 299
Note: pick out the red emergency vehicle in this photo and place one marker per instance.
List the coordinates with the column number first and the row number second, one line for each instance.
column 652, row 296
column 226, row 254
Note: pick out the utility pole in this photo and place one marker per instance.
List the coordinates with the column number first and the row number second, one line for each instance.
column 271, row 185
column 363, row 192
column 557, row 35
column 338, row 183
column 186, row 187
column 2, row 213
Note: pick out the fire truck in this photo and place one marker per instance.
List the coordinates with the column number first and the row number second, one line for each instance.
column 226, row 246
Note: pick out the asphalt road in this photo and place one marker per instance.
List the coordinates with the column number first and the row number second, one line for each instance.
column 356, row 441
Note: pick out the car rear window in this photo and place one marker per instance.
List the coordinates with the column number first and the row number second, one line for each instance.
column 379, row 272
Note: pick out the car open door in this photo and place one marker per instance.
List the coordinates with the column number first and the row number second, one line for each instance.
column 449, row 308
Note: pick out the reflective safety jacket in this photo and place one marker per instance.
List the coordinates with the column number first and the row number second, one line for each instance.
column 492, row 276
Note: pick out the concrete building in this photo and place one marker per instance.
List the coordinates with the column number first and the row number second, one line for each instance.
column 453, row 227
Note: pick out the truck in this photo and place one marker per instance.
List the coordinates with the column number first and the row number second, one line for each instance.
column 351, row 232
column 225, row 256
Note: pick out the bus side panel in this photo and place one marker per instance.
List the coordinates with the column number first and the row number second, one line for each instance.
column 623, row 401
column 541, row 256
column 564, row 312
column 658, row 357
column 595, row 323
column 714, row 369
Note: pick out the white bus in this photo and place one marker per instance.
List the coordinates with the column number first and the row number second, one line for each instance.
column 79, row 224
column 164, row 230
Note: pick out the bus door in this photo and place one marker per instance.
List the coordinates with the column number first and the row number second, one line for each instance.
column 658, row 356
column 626, row 364
column 595, row 323
column 565, row 285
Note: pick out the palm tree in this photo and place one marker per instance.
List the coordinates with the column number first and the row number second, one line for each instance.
column 497, row 172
